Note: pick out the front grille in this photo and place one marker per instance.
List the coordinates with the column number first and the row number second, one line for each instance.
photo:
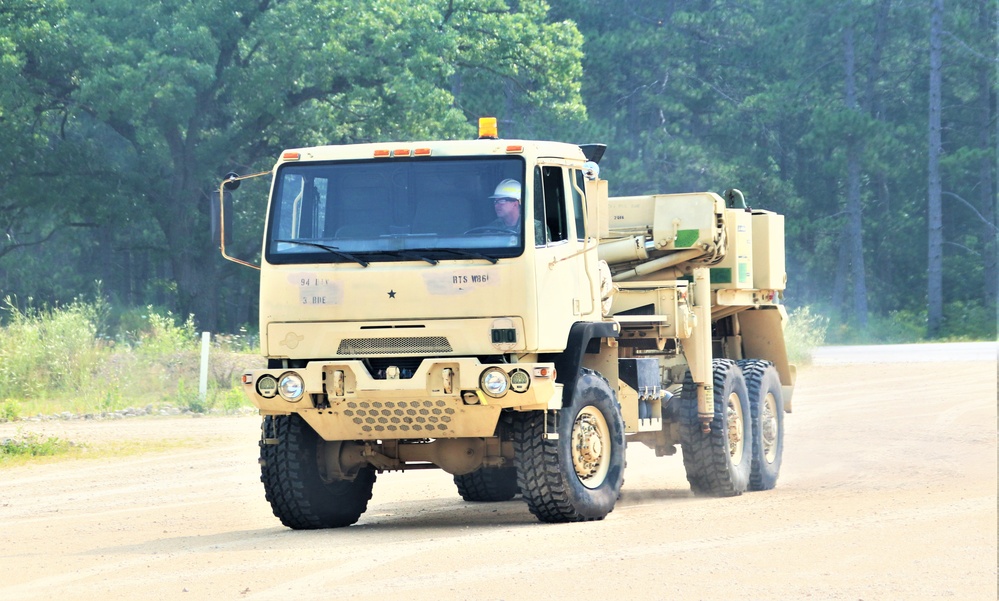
column 352, row 347
column 420, row 417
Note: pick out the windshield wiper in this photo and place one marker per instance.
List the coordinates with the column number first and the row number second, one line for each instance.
column 469, row 254
column 328, row 248
column 406, row 254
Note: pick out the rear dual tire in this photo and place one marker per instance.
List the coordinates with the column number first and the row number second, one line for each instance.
column 488, row 485
column 719, row 462
column 766, row 403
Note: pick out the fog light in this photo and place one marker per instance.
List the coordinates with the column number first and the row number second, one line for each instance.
column 494, row 382
column 520, row 381
column 267, row 386
column 291, row 386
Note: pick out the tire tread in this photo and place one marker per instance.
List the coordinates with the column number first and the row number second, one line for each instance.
column 488, row 485
column 545, row 482
column 705, row 456
column 762, row 477
column 292, row 485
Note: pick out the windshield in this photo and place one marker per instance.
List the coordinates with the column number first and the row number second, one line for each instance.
column 396, row 210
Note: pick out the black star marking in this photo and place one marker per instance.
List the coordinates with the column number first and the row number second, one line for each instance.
column 391, row 293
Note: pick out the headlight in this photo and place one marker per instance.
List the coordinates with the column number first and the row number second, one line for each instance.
column 291, row 386
column 494, row 382
column 267, row 387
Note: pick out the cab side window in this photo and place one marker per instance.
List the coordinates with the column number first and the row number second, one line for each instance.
column 550, row 182
column 577, row 203
column 539, row 207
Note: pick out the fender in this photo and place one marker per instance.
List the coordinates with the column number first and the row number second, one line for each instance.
column 584, row 337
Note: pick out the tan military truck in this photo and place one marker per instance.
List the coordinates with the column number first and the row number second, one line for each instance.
column 483, row 307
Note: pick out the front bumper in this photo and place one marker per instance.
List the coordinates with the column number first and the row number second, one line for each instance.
column 444, row 398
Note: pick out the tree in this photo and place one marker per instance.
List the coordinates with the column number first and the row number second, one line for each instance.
column 809, row 108
column 853, row 250
column 29, row 46
column 935, row 262
column 178, row 94
column 988, row 152
column 124, row 119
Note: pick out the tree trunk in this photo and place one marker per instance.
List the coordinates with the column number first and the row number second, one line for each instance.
column 183, row 216
column 196, row 287
column 986, row 176
column 934, row 217
column 856, row 239
column 839, row 304
column 873, row 104
column 854, row 208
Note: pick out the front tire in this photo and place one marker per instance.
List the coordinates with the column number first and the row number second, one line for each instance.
column 293, row 483
column 718, row 463
column 578, row 476
column 766, row 404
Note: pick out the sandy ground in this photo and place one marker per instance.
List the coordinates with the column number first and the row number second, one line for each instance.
column 888, row 491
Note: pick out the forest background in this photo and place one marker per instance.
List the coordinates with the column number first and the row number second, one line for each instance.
column 871, row 124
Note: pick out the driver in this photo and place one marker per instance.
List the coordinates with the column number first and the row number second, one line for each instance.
column 506, row 203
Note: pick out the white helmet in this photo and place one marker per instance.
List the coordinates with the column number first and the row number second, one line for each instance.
column 508, row 188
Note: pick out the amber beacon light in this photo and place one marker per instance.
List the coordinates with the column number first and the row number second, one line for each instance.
column 487, row 128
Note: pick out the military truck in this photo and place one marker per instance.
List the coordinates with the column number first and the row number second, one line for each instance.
column 485, row 308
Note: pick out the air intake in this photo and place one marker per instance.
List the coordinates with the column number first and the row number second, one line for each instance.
column 353, row 347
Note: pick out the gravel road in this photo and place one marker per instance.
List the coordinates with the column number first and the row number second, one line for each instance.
column 888, row 491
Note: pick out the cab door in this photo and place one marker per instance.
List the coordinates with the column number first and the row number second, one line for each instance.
column 566, row 292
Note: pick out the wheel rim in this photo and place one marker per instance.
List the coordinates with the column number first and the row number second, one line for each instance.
column 768, row 427
column 735, row 428
column 591, row 447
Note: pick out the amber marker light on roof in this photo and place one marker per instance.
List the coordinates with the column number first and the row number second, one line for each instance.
column 401, row 152
column 515, row 148
column 421, row 152
column 487, row 128
column 382, row 153
column 291, row 156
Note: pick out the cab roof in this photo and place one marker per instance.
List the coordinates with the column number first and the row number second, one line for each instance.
column 530, row 149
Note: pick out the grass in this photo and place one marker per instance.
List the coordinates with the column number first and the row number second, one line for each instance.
column 88, row 358
column 805, row 331
column 82, row 359
column 963, row 321
column 32, row 445
column 32, row 449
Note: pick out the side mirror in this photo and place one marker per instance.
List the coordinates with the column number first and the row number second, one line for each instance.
column 222, row 215
column 593, row 152
column 222, row 212
column 231, row 181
